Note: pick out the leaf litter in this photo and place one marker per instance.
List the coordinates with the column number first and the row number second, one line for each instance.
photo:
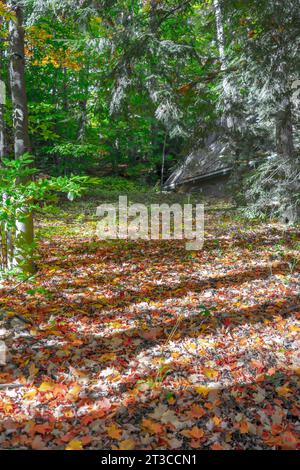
column 147, row 346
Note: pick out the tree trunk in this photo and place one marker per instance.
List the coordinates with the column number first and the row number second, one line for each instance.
column 220, row 34
column 2, row 132
column 2, row 103
column 83, row 119
column 284, row 130
column 6, row 238
column 24, row 226
column 228, row 120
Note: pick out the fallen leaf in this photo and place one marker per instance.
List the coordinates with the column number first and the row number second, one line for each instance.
column 74, row 445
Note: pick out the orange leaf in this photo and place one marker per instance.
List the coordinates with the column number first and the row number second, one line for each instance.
column 38, row 443
column 151, row 426
column 244, row 428
column 257, row 364
column 197, row 411
column 86, row 440
column 195, row 444
column 216, row 446
column 289, row 440
column 42, row 428
column 196, row 433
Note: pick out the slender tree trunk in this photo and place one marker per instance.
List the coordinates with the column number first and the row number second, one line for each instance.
column 2, row 103
column 6, row 236
column 83, row 120
column 65, row 91
column 2, row 130
column 163, row 161
column 4, row 254
column 284, row 131
column 228, row 120
column 284, row 124
column 24, row 226
column 220, row 34
column 285, row 148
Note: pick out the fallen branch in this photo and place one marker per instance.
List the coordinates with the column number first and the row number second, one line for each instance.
column 13, row 385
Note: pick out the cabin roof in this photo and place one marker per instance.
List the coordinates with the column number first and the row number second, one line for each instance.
column 209, row 161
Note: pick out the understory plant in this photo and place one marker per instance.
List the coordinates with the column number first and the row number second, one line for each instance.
column 275, row 188
column 23, row 190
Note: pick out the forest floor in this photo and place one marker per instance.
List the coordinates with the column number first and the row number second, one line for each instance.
column 144, row 345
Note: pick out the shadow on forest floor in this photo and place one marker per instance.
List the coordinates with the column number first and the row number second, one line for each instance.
column 147, row 346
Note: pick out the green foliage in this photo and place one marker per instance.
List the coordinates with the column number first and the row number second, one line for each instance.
column 117, row 85
column 43, row 121
column 73, row 157
column 18, row 190
column 23, row 190
column 273, row 189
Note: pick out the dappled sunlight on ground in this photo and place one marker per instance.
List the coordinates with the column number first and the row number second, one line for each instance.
column 147, row 346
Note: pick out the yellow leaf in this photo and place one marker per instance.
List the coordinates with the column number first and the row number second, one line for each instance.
column 33, row 370
column 74, row 391
column 202, row 390
column 128, row 444
column 46, row 387
column 294, row 328
column 175, row 355
column 210, row 373
column 74, row 445
column 7, row 407
column 30, row 394
column 283, row 391
column 108, row 357
column 114, row 432
column 216, row 420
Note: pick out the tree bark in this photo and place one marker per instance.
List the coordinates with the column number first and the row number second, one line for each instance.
column 284, row 131
column 284, row 122
column 228, row 119
column 4, row 250
column 2, row 103
column 220, row 34
column 83, row 119
column 24, row 226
